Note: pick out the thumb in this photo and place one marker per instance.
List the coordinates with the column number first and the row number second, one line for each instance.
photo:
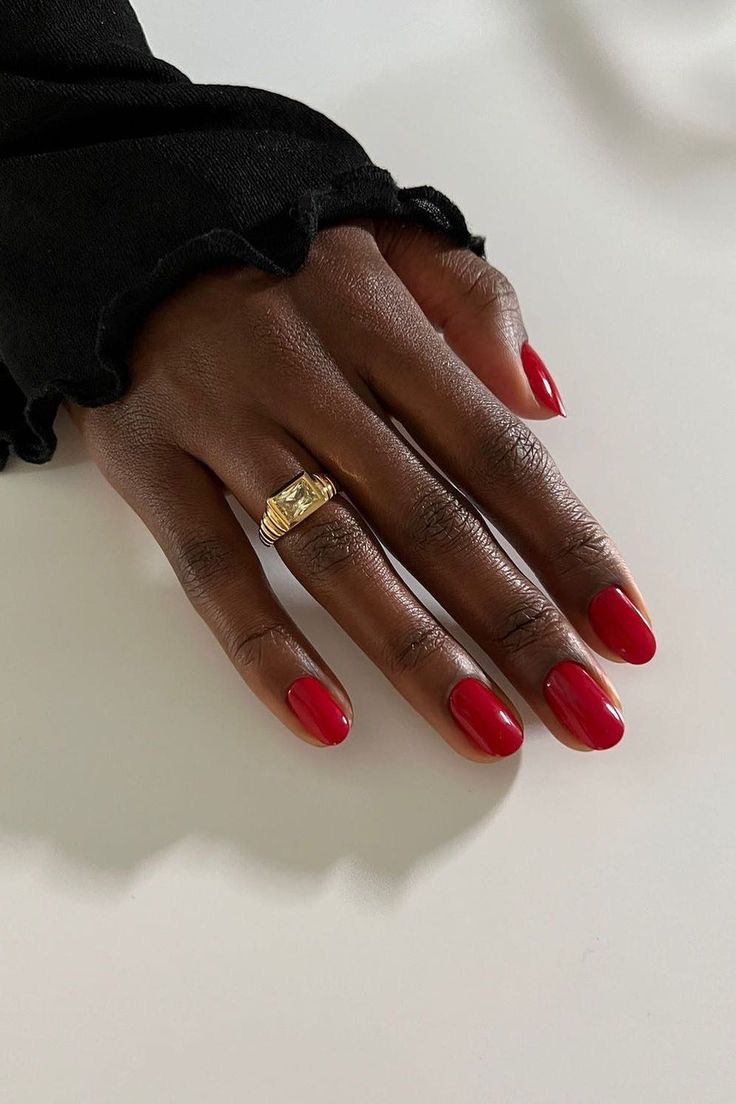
column 476, row 309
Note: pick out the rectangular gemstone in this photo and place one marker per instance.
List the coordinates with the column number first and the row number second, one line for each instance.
column 298, row 498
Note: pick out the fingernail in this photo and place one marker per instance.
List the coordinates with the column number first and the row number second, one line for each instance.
column 541, row 383
column 321, row 715
column 581, row 705
column 485, row 718
column 621, row 626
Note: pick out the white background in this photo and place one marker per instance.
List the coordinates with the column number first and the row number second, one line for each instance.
column 194, row 906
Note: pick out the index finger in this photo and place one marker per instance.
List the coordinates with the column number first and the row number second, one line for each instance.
column 499, row 461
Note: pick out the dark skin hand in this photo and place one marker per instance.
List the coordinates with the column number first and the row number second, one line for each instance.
column 239, row 381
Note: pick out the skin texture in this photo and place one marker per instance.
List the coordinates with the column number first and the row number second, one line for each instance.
column 241, row 380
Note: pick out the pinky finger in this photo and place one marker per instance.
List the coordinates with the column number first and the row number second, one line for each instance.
column 222, row 577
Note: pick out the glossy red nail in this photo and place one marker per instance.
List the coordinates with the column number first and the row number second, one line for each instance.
column 583, row 707
column 621, row 626
column 485, row 718
column 541, row 383
column 317, row 710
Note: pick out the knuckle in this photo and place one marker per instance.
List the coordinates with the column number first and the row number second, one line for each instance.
column 487, row 289
column 247, row 646
column 201, row 562
column 132, row 420
column 326, row 548
column 585, row 547
column 511, row 453
column 278, row 332
column 408, row 650
column 439, row 521
column 530, row 623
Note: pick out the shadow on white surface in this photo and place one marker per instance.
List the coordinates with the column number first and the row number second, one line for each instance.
column 655, row 122
column 153, row 740
column 665, row 98
column 157, row 762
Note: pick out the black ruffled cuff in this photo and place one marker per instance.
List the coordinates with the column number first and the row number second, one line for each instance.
column 31, row 394
column 120, row 179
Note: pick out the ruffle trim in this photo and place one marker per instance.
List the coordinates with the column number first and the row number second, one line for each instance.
column 280, row 247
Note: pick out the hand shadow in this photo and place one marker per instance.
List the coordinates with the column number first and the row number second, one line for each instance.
column 143, row 735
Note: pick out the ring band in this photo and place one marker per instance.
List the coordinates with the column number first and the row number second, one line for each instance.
column 288, row 507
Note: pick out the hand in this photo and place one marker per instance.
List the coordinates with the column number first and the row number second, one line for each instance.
column 240, row 381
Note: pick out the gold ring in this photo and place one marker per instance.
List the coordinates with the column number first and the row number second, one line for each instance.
column 293, row 503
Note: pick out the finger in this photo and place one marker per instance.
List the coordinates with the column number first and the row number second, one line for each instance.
column 185, row 509
column 499, row 461
column 476, row 309
column 442, row 539
column 337, row 559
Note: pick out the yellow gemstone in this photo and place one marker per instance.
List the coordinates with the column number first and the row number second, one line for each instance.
column 298, row 499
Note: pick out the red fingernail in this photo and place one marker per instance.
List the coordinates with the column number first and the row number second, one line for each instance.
column 485, row 718
column 542, row 385
column 318, row 711
column 583, row 707
column 621, row 626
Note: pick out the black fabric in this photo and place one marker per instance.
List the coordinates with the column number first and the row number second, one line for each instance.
column 120, row 178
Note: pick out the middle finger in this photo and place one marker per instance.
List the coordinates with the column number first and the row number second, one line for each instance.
column 494, row 456
column 435, row 531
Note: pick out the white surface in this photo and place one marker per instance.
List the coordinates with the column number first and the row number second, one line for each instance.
column 195, row 906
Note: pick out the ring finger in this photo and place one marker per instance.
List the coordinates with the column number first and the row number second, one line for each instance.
column 338, row 560
column 435, row 531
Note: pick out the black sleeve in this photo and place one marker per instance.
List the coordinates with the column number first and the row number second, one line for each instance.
column 120, row 178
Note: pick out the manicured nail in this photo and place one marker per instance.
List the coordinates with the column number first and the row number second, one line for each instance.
column 541, row 383
column 318, row 711
column 585, row 710
column 621, row 626
column 485, row 718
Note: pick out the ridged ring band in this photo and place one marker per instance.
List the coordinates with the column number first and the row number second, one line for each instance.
column 296, row 501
